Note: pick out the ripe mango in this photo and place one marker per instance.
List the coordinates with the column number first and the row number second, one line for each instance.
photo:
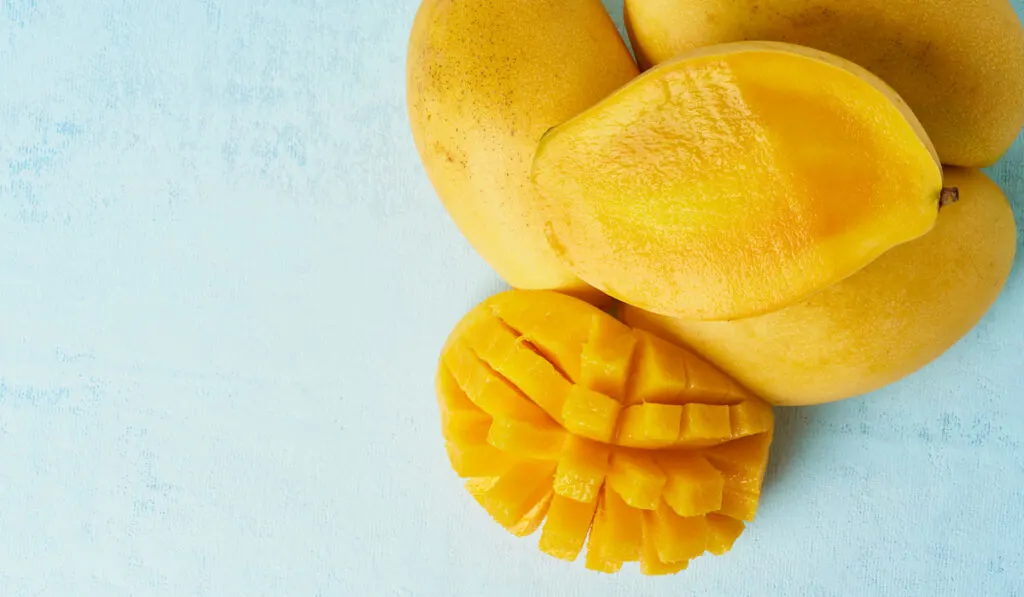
column 883, row 323
column 609, row 437
column 484, row 80
column 959, row 64
column 735, row 180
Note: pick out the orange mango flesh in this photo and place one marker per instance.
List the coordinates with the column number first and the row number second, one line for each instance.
column 608, row 438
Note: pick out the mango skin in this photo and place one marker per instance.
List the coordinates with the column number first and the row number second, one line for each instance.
column 883, row 323
column 485, row 80
column 958, row 63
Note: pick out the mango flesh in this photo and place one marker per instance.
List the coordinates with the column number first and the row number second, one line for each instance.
column 958, row 64
column 484, row 81
column 609, row 437
column 878, row 326
column 736, row 180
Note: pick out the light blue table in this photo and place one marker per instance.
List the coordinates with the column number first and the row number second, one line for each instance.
column 224, row 281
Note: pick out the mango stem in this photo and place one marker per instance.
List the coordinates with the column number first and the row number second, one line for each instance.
column 948, row 195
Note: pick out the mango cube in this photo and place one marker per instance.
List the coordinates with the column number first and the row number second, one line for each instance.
column 622, row 531
column 649, row 425
column 487, row 389
column 722, row 533
column 478, row 461
column 590, row 414
column 739, row 504
column 566, row 528
column 530, row 440
column 705, row 421
column 650, row 560
column 694, row 487
column 582, row 469
column 669, row 374
column 596, row 559
column 676, row 538
column 605, row 362
column 518, row 491
column 637, row 479
column 750, row 417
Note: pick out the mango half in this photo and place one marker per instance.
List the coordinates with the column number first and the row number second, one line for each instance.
column 876, row 327
column 611, row 438
column 736, row 180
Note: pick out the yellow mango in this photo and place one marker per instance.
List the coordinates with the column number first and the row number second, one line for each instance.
column 650, row 425
column 596, row 559
column 650, row 560
column 549, row 406
column 530, row 440
column 669, row 374
column 590, row 414
column 556, row 325
column 488, row 390
column 478, row 460
column 694, row 486
column 484, row 80
column 566, row 527
column 739, row 504
column 676, row 538
column 957, row 63
column 607, row 356
column 705, row 421
column 878, row 326
column 582, row 469
column 735, row 180
column 517, row 492
column 622, row 529
column 722, row 533
column 636, row 478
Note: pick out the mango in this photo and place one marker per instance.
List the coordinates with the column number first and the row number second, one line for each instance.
column 958, row 64
column 887, row 321
column 484, row 80
column 565, row 418
column 736, row 180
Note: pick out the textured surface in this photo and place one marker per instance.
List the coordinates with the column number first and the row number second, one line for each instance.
column 224, row 282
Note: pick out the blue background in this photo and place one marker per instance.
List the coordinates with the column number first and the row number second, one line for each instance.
column 224, row 282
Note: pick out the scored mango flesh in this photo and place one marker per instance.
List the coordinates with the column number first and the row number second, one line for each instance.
column 560, row 417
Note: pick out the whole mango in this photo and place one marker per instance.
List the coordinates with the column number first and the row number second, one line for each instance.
column 485, row 79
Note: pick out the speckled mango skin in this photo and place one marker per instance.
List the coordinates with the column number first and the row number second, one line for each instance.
column 485, row 80
column 959, row 64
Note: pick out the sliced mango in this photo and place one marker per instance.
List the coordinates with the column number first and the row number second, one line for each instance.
column 518, row 491
column 600, row 535
column 694, row 486
column 582, row 469
column 739, row 504
column 532, row 440
column 591, row 414
column 560, row 416
column 565, row 530
column 676, row 538
column 751, row 417
column 669, row 374
column 556, row 324
column 478, row 460
column 637, row 479
column 650, row 560
column 722, row 533
column 607, row 356
column 650, row 425
column 488, row 390
column 705, row 421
